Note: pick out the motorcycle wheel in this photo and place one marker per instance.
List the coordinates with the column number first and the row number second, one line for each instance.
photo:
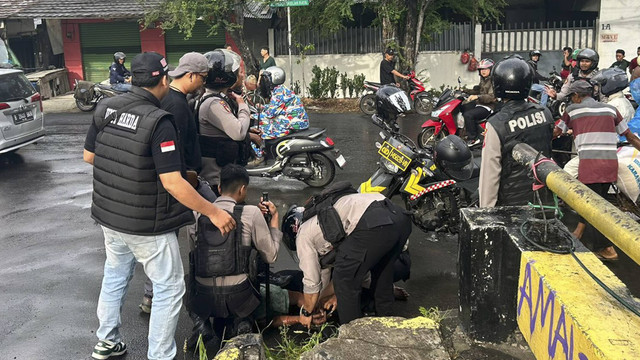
column 323, row 171
column 86, row 107
column 428, row 137
column 368, row 104
column 423, row 104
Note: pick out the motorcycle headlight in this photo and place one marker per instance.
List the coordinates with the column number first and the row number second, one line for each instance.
column 437, row 113
column 391, row 167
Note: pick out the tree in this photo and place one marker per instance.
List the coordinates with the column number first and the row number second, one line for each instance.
column 218, row 15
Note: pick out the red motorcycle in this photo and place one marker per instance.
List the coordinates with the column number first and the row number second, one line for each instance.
column 422, row 101
column 446, row 119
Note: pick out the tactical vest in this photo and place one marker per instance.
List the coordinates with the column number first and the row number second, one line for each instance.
column 221, row 255
column 221, row 147
column 520, row 122
column 128, row 195
column 321, row 205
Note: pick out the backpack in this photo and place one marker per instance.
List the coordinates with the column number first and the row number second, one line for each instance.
column 220, row 255
column 328, row 218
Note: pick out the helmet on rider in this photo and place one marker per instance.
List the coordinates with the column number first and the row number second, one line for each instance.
column 391, row 101
column 574, row 54
column 224, row 66
column 290, row 224
column 452, row 155
column 611, row 80
column 534, row 53
column 270, row 78
column 589, row 54
column 512, row 78
column 118, row 56
column 485, row 64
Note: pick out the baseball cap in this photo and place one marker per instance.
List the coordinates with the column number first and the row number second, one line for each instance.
column 192, row 62
column 390, row 51
column 580, row 87
column 148, row 65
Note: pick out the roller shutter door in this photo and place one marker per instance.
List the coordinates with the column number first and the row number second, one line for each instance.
column 100, row 40
column 176, row 45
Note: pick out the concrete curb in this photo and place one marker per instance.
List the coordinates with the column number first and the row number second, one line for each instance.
column 60, row 104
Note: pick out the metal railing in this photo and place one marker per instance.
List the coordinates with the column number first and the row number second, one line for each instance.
column 543, row 36
column 362, row 40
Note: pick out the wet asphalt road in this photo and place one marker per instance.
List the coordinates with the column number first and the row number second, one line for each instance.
column 52, row 251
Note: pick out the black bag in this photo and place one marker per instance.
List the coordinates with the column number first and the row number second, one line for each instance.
column 328, row 218
column 218, row 255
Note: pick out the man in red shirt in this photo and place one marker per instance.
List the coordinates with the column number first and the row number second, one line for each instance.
column 634, row 62
column 595, row 127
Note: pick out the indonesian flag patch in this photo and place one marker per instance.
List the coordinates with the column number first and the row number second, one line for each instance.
column 167, row 146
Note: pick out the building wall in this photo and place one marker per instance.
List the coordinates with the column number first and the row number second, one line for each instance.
column 618, row 29
column 441, row 68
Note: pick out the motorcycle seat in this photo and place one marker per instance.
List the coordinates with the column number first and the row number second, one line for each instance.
column 309, row 133
column 373, row 83
column 104, row 86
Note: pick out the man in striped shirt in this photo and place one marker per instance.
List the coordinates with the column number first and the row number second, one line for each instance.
column 595, row 128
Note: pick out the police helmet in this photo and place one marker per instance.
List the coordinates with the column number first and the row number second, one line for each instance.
column 224, row 66
column 611, row 80
column 290, row 224
column 452, row 155
column 391, row 101
column 119, row 55
column 533, row 53
column 512, row 78
column 589, row 54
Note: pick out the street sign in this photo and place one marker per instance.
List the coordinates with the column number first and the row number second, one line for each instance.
column 288, row 3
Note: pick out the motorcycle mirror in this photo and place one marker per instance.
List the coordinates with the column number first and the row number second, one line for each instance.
column 378, row 145
column 459, row 81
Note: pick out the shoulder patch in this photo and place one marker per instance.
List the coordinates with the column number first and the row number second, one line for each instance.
column 225, row 105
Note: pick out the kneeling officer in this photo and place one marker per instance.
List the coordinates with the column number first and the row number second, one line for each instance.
column 223, row 289
column 366, row 232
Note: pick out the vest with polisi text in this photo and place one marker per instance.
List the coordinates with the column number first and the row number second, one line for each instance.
column 520, row 122
column 128, row 195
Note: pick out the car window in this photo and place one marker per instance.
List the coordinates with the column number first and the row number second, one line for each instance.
column 15, row 87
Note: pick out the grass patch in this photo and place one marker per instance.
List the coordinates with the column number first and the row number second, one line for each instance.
column 291, row 347
column 433, row 313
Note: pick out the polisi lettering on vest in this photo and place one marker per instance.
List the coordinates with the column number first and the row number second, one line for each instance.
column 527, row 121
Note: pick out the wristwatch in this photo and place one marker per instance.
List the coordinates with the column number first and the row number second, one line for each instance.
column 304, row 312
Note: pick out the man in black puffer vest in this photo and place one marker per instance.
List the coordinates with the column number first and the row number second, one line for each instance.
column 140, row 199
column 503, row 181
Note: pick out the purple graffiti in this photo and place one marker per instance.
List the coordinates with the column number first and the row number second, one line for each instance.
column 546, row 306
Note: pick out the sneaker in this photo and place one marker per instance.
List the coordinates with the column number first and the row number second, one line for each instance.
column 105, row 349
column 471, row 143
column 255, row 162
column 145, row 306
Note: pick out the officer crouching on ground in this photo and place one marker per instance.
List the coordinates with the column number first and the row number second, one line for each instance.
column 223, row 289
column 503, row 181
column 223, row 117
column 365, row 232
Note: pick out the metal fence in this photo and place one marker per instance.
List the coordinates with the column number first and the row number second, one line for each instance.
column 543, row 36
column 369, row 40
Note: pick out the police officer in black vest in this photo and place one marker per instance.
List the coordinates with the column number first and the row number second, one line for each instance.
column 503, row 181
column 140, row 199
column 223, row 117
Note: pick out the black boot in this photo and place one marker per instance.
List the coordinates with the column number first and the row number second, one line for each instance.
column 200, row 327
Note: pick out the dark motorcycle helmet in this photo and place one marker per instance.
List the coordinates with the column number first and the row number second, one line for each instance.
column 453, row 157
column 270, row 78
column 119, row 55
column 611, row 80
column 533, row 53
column 224, row 66
column 589, row 54
column 290, row 225
column 512, row 78
column 391, row 101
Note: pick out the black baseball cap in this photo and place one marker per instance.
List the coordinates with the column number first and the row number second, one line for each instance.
column 148, row 65
column 390, row 51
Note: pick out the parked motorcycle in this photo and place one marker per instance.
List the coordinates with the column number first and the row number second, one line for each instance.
column 432, row 196
column 422, row 101
column 446, row 120
column 88, row 94
column 307, row 155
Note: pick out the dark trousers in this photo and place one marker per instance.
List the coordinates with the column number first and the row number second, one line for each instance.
column 599, row 241
column 373, row 246
column 471, row 118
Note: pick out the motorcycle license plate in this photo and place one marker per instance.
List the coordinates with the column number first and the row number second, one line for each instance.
column 341, row 161
column 394, row 155
column 22, row 117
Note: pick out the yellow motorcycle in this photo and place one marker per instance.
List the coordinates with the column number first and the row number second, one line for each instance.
column 432, row 189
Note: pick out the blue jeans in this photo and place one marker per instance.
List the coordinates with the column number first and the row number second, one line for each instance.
column 160, row 257
column 544, row 97
column 123, row 87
